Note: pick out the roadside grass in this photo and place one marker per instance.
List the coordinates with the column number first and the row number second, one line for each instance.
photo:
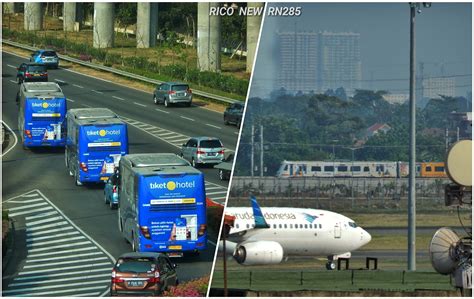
column 125, row 46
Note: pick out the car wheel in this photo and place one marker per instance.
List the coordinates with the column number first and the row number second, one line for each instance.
column 106, row 200
column 193, row 163
column 167, row 104
column 155, row 100
column 238, row 123
column 112, row 205
column 330, row 265
column 18, row 79
column 134, row 245
column 221, row 174
column 188, row 104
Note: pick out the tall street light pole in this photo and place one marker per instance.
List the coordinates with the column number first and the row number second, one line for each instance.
column 414, row 8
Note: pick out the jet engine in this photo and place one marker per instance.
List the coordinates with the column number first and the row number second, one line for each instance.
column 258, row 253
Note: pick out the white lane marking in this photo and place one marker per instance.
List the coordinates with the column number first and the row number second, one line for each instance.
column 13, row 82
column 74, row 256
column 70, row 100
column 214, row 126
column 96, row 294
column 78, row 86
column 96, row 91
column 61, row 274
column 11, row 147
column 52, row 219
column 63, row 251
column 167, row 112
column 27, row 201
column 27, row 195
column 28, row 207
column 166, row 134
column 61, row 229
column 36, row 244
column 17, row 291
column 187, row 118
column 29, row 229
column 62, row 268
column 86, row 106
column 179, row 140
column 41, row 215
column 59, row 246
column 139, row 104
column 72, row 291
column 34, row 239
column 59, row 279
column 65, row 263
column 30, row 212
column 118, row 98
column 60, row 81
column 12, row 66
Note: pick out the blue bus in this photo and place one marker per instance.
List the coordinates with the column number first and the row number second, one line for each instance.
column 96, row 140
column 162, row 204
column 41, row 116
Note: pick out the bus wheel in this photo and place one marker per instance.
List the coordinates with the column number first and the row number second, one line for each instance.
column 112, row 205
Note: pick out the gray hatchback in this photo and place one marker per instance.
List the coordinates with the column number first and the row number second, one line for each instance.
column 203, row 150
column 173, row 93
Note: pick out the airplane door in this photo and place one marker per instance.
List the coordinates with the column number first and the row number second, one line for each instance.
column 337, row 231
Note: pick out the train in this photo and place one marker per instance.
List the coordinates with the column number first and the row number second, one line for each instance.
column 359, row 169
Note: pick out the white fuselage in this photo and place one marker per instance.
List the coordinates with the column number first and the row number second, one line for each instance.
column 299, row 231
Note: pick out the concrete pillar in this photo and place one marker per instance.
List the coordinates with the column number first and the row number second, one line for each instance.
column 103, row 25
column 33, row 16
column 208, row 38
column 147, row 24
column 11, row 7
column 253, row 30
column 69, row 16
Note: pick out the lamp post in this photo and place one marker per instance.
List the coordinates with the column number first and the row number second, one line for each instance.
column 414, row 8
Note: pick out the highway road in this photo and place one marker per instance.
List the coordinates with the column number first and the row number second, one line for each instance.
column 65, row 234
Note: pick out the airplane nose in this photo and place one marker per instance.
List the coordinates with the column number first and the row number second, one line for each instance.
column 366, row 237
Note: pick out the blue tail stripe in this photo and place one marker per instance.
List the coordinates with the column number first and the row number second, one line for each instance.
column 257, row 214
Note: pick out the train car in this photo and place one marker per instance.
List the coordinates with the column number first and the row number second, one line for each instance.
column 362, row 169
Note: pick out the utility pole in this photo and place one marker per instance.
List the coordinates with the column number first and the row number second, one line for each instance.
column 261, row 151
column 252, row 152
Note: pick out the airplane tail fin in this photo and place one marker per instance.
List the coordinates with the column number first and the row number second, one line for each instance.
column 257, row 213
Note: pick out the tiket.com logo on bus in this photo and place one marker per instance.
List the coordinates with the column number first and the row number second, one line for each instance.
column 172, row 185
column 102, row 133
column 45, row 105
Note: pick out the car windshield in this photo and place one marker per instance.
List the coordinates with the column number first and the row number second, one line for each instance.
column 49, row 53
column 210, row 143
column 179, row 87
column 135, row 265
column 36, row 68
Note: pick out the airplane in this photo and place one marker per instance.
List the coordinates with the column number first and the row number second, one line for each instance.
column 263, row 236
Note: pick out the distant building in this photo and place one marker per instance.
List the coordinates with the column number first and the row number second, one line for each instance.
column 298, row 60
column 461, row 124
column 376, row 129
column 339, row 61
column 433, row 88
column 396, row 98
column 311, row 61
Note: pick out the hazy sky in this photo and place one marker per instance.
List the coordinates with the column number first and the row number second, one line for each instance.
column 443, row 37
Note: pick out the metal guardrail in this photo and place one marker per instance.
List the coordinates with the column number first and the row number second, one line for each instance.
column 122, row 73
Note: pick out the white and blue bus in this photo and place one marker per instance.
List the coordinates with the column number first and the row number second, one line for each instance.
column 96, row 140
column 162, row 204
column 41, row 116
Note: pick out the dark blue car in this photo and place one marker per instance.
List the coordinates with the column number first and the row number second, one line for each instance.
column 46, row 57
column 111, row 191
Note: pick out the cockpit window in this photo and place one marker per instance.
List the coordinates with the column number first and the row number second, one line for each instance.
column 353, row 224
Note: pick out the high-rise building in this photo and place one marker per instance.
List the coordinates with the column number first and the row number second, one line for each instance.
column 433, row 88
column 298, row 59
column 310, row 61
column 339, row 61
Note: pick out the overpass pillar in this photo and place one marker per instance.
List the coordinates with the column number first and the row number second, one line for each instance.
column 253, row 30
column 103, row 25
column 33, row 16
column 11, row 7
column 147, row 24
column 208, row 38
column 72, row 16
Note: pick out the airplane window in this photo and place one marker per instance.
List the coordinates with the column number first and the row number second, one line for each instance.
column 305, row 226
column 310, row 226
column 320, row 225
column 248, row 225
column 279, row 225
column 285, row 225
column 274, row 226
column 291, row 225
column 237, row 225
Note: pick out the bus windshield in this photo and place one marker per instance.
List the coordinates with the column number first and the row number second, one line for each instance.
column 173, row 208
